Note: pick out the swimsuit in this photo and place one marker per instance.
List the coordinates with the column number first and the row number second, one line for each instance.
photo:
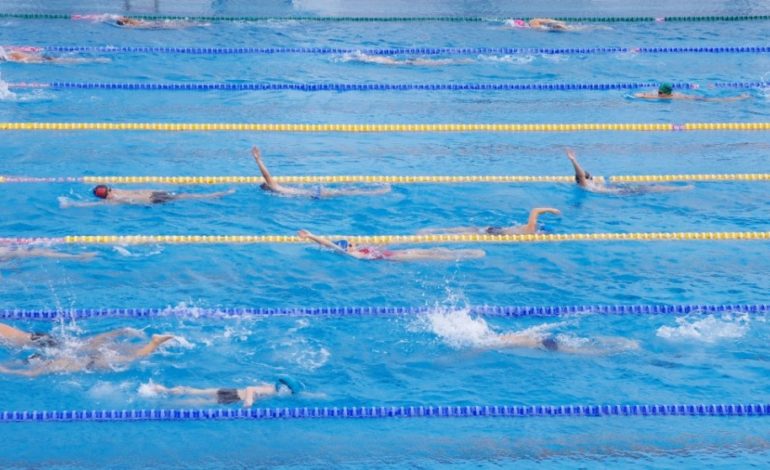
column 43, row 340
column 226, row 396
column 550, row 343
column 494, row 231
column 371, row 252
column 159, row 197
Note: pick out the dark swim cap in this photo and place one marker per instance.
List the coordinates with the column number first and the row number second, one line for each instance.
column 101, row 191
column 665, row 89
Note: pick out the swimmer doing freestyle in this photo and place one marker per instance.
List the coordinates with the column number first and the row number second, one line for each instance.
column 102, row 352
column 530, row 228
column 586, row 181
column 666, row 93
column 318, row 192
column 531, row 339
column 192, row 396
column 371, row 252
column 29, row 55
column 16, row 251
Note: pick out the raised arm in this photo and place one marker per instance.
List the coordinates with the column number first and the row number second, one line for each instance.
column 305, row 235
column 531, row 226
column 580, row 174
column 269, row 181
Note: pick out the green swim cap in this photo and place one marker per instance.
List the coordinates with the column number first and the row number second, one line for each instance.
column 665, row 89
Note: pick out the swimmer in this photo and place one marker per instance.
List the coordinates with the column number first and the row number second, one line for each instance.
column 96, row 355
column 666, row 92
column 9, row 252
column 542, row 24
column 226, row 396
column 34, row 56
column 532, row 339
column 389, row 60
column 317, row 193
column 15, row 337
column 136, row 23
column 586, row 181
column 370, row 252
column 530, row 228
column 138, row 196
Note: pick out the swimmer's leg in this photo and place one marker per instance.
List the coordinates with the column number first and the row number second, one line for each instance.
column 383, row 189
column 204, row 196
column 449, row 230
column 444, row 254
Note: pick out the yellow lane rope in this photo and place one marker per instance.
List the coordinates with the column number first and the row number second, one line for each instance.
column 258, row 127
column 411, row 239
column 382, row 179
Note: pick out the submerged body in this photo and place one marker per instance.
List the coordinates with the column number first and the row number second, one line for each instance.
column 585, row 180
column 372, row 252
column 319, row 192
column 531, row 227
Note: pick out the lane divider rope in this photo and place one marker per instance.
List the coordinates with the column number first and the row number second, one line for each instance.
column 381, row 412
column 385, row 179
column 386, row 239
column 367, row 128
column 399, row 19
column 314, row 87
column 379, row 311
column 403, row 51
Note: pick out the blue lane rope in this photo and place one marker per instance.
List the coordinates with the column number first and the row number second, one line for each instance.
column 410, row 51
column 484, row 310
column 372, row 412
column 376, row 86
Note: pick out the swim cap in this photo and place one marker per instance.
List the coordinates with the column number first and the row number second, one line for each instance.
column 101, row 191
column 518, row 23
column 342, row 244
column 665, row 89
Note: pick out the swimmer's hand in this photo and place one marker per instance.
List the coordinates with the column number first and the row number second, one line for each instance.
column 303, row 234
column 256, row 153
column 570, row 154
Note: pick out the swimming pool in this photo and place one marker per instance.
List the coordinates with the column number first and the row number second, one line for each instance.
column 440, row 358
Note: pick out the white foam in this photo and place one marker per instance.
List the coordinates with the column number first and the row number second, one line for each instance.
column 148, row 390
column 458, row 329
column 509, row 59
column 706, row 329
column 5, row 93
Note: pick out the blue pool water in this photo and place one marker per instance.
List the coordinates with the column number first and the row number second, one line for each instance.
column 441, row 358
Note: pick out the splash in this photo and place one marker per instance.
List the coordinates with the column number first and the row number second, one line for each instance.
column 5, row 93
column 508, row 59
column 708, row 330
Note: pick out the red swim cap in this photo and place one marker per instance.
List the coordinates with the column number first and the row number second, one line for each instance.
column 102, row 191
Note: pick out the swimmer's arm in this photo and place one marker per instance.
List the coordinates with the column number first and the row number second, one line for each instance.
column 579, row 171
column 269, row 181
column 743, row 96
column 305, row 235
column 249, row 396
column 22, row 372
column 531, row 226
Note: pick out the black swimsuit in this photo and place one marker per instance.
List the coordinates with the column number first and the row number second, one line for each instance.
column 225, row 396
column 159, row 197
column 550, row 343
